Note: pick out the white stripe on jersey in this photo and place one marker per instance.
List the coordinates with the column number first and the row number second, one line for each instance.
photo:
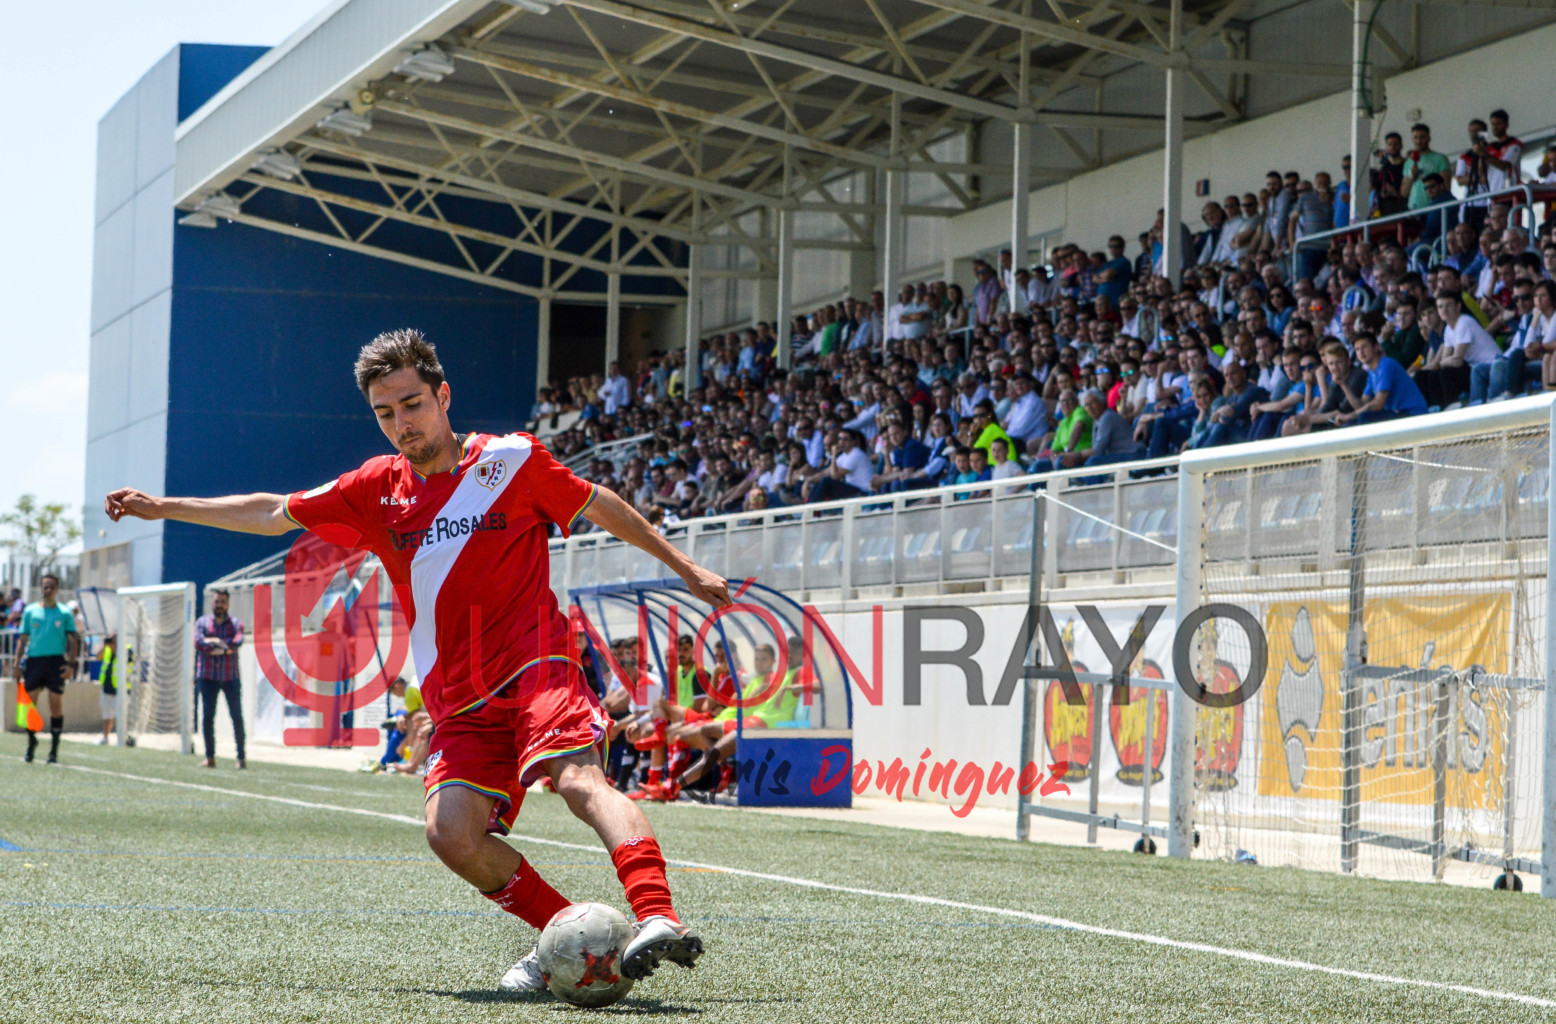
column 432, row 563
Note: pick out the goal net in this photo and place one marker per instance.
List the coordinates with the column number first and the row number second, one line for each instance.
column 1398, row 575
column 156, row 651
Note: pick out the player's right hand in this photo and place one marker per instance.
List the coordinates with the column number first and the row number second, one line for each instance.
column 708, row 586
column 127, row 501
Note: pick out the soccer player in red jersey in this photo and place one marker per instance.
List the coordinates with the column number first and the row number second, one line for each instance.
column 459, row 523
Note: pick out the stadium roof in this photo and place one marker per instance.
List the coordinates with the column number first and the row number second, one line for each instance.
column 662, row 121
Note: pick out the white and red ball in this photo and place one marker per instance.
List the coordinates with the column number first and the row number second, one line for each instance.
column 581, row 950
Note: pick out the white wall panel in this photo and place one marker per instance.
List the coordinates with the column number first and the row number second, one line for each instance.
column 108, row 381
column 153, row 259
column 116, row 157
column 150, row 326
column 103, row 457
column 157, row 111
column 122, row 459
column 146, row 560
column 145, row 454
column 132, row 268
column 113, row 266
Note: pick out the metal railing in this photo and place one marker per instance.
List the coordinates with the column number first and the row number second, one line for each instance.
column 957, row 534
column 1115, row 519
column 8, row 642
column 553, row 424
column 1369, row 229
column 610, row 450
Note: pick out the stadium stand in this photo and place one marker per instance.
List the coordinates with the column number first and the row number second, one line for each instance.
column 1287, row 319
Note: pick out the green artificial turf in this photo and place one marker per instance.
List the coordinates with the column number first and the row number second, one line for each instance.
column 132, row 901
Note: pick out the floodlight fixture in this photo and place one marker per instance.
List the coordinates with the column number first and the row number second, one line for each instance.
column 429, row 65
column 346, row 122
column 279, row 164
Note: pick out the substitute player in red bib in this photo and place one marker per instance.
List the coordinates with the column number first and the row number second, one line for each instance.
column 459, row 522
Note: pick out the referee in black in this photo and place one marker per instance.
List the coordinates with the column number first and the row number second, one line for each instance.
column 46, row 657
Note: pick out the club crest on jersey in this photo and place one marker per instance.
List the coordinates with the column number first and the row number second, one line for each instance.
column 490, row 474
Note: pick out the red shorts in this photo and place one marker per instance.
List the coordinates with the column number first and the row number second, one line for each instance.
column 498, row 748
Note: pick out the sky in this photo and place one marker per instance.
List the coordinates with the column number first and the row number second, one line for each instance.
column 59, row 80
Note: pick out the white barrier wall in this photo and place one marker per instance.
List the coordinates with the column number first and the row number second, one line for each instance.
column 947, row 722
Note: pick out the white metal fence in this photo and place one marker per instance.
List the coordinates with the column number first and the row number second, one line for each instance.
column 1399, row 572
column 1450, row 504
column 961, row 534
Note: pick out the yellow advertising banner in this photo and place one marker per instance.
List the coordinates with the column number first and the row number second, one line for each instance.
column 1409, row 639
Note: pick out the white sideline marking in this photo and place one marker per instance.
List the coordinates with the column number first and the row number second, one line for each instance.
column 1057, row 922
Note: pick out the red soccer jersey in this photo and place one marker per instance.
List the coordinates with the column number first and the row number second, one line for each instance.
column 468, row 548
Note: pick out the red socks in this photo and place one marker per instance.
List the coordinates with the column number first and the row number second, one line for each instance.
column 639, row 865
column 641, row 868
column 530, row 897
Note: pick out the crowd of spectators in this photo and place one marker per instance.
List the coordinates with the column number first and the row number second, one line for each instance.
column 1094, row 358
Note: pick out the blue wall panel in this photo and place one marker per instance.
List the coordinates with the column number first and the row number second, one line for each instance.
column 264, row 332
column 204, row 68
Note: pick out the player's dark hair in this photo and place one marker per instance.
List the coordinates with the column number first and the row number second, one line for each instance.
column 48, row 576
column 392, row 351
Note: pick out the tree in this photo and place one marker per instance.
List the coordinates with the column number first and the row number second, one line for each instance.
column 41, row 531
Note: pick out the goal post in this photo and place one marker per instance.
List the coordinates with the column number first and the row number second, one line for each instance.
column 1398, row 573
column 1548, row 778
column 156, row 651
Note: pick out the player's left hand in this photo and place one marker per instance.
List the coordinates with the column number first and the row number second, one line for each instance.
column 708, row 586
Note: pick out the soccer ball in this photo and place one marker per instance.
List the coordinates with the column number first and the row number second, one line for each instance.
column 580, row 954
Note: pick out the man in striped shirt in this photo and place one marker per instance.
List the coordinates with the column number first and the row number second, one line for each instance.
column 217, row 639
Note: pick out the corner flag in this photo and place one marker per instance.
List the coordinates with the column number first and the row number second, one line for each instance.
column 27, row 716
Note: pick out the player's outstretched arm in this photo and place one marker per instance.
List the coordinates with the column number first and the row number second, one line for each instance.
column 243, row 513
column 621, row 520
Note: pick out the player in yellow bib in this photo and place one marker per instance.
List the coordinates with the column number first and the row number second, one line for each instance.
column 780, row 709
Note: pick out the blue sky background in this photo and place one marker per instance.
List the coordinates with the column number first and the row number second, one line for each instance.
column 58, row 80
